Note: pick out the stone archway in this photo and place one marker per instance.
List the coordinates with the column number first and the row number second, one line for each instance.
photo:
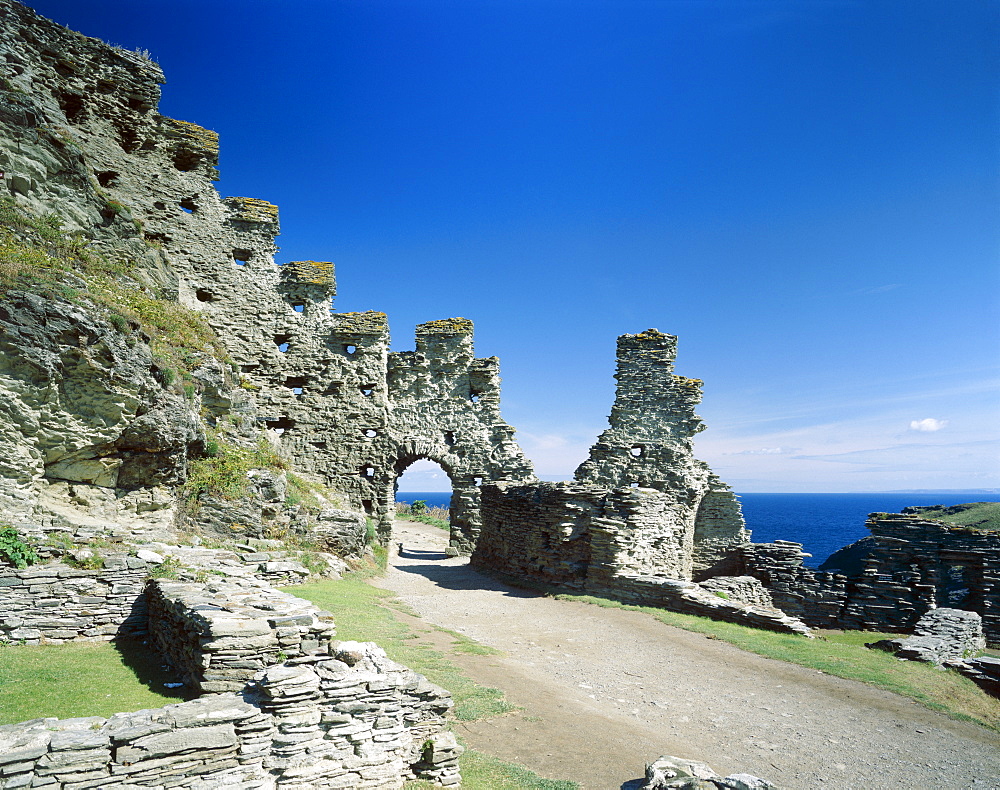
column 465, row 481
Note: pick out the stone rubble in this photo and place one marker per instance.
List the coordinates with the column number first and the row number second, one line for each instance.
column 940, row 637
column 676, row 773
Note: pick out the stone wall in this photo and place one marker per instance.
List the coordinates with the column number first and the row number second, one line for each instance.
column 55, row 603
column 80, row 135
column 887, row 581
column 642, row 512
column 624, row 543
column 322, row 723
column 217, row 635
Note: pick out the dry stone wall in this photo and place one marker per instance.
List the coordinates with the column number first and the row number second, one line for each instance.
column 887, row 581
column 218, row 634
column 320, row 723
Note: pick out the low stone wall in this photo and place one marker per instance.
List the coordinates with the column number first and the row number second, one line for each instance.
column 55, row 603
column 321, row 723
column 887, row 581
column 218, row 634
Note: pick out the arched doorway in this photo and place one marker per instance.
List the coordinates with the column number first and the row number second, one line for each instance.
column 465, row 482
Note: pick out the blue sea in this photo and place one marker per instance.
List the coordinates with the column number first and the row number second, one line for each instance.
column 822, row 523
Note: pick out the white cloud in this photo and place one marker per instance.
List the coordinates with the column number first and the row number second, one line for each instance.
column 766, row 451
column 928, row 425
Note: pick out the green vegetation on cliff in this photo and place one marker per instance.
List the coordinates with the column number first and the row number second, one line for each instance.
column 977, row 515
column 38, row 256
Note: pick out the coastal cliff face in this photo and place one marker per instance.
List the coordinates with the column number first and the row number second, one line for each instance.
column 146, row 326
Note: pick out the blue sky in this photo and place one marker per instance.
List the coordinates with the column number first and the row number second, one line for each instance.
column 804, row 192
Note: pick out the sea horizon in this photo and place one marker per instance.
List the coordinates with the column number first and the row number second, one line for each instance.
column 821, row 522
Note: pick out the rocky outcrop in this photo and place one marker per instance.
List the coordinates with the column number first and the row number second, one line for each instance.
column 940, row 636
column 676, row 773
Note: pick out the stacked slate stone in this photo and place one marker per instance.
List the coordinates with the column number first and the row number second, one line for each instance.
column 318, row 724
column 359, row 720
column 217, row 635
column 887, row 581
column 816, row 597
column 940, row 636
column 691, row 598
column 600, row 541
column 54, row 603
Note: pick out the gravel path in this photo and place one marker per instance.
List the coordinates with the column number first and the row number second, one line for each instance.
column 604, row 691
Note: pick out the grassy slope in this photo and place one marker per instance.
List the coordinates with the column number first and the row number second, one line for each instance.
column 980, row 515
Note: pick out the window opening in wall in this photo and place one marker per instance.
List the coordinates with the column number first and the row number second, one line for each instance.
column 449, row 438
column 204, row 295
column 295, row 384
column 371, row 433
column 281, row 341
column 350, row 350
column 368, row 471
column 367, row 505
column 108, row 178
column 240, row 257
column 478, row 481
column 474, row 397
column 633, row 485
column 283, row 347
column 299, row 307
column 319, row 445
column 189, row 205
column 280, row 425
column 637, row 450
column 368, row 390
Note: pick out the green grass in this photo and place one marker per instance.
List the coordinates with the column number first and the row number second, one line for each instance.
column 483, row 772
column 978, row 515
column 363, row 613
column 843, row 655
column 82, row 679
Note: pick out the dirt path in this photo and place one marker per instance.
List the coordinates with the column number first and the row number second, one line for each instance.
column 606, row 690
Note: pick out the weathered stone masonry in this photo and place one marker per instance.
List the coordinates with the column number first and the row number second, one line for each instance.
column 322, row 723
column 643, row 517
column 346, row 409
